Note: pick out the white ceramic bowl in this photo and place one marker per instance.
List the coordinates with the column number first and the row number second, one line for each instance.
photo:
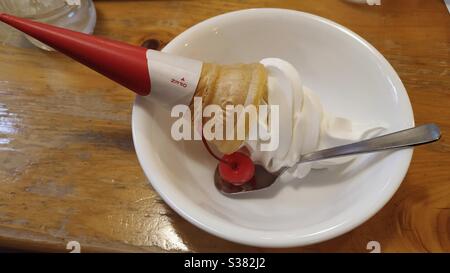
column 352, row 79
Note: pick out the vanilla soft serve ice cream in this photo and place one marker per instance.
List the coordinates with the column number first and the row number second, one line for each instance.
column 304, row 125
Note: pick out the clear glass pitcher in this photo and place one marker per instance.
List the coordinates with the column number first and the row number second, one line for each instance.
column 78, row 15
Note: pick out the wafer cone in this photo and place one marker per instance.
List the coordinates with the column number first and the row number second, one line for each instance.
column 239, row 84
column 170, row 79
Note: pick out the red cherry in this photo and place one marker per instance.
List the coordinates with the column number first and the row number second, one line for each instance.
column 236, row 168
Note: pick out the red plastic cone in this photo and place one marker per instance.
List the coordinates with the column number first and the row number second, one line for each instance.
column 123, row 63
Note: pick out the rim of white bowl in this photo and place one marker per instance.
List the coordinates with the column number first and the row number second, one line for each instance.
column 151, row 170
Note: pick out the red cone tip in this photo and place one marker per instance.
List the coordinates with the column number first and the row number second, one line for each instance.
column 123, row 63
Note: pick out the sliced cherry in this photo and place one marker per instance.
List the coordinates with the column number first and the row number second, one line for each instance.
column 236, row 168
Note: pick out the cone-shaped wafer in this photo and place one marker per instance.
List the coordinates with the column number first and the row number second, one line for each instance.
column 240, row 84
column 171, row 79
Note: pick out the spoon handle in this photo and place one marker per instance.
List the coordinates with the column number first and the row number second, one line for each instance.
column 406, row 138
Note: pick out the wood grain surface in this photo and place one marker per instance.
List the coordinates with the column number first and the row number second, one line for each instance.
column 68, row 169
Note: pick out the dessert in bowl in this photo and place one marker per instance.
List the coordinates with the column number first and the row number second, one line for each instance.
column 351, row 79
column 328, row 85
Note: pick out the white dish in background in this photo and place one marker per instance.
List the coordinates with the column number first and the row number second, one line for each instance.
column 352, row 79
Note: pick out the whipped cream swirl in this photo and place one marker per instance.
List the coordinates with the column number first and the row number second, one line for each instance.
column 304, row 126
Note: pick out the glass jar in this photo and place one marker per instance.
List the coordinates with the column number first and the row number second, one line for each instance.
column 78, row 15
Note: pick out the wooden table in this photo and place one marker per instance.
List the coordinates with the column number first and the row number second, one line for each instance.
column 68, row 169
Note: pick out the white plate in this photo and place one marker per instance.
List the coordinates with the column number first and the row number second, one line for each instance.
column 353, row 80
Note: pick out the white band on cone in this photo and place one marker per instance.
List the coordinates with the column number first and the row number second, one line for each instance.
column 173, row 79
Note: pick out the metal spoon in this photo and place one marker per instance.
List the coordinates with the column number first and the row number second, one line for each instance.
column 406, row 138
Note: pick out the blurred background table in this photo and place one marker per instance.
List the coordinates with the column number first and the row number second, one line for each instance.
column 68, row 170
